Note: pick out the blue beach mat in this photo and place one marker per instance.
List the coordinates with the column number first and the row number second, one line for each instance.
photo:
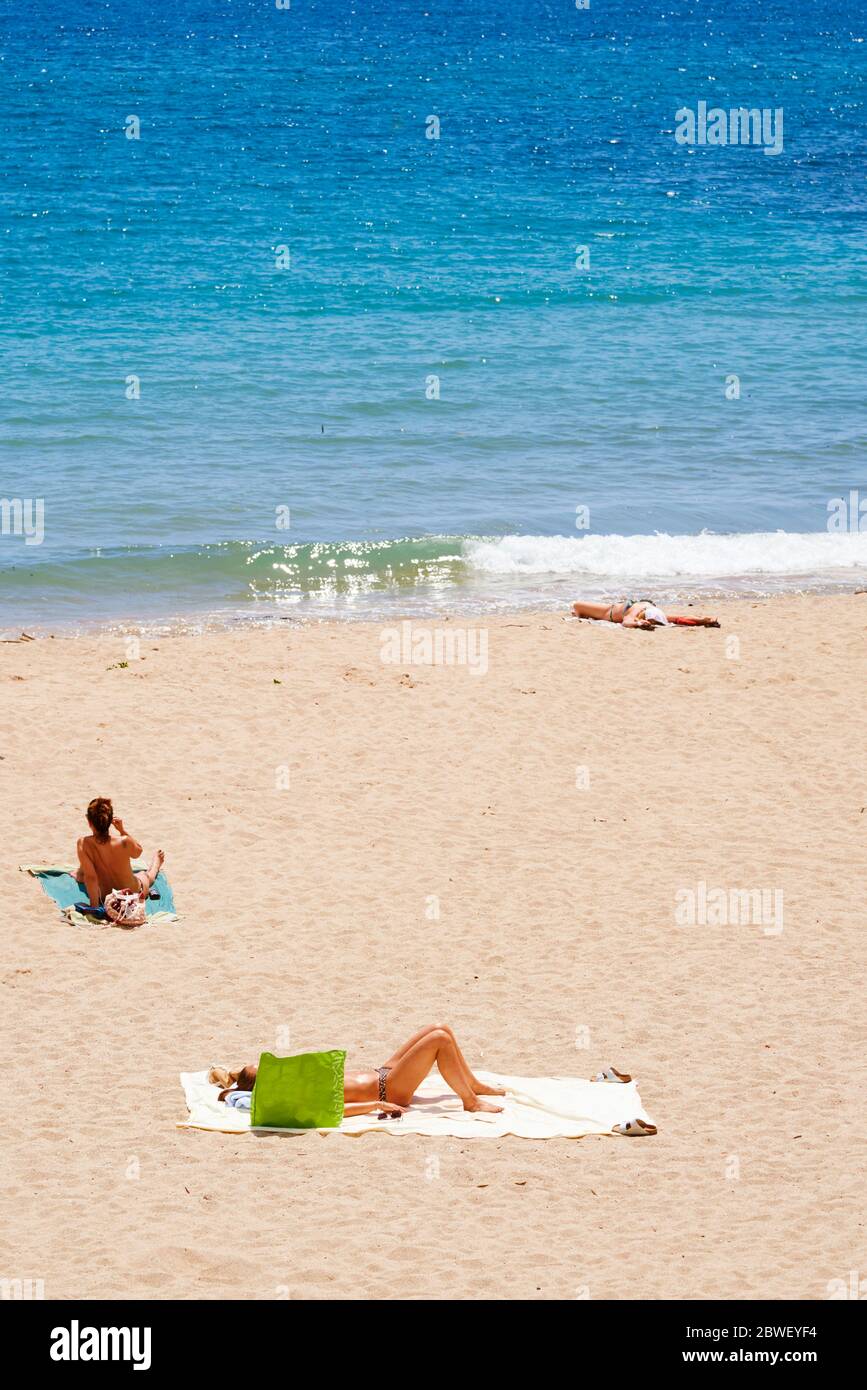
column 58, row 881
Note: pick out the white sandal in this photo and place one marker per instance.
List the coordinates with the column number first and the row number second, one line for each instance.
column 634, row 1128
column 612, row 1075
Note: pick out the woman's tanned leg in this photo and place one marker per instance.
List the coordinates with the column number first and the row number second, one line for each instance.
column 599, row 611
column 147, row 878
column 410, row 1042
column 480, row 1087
column 437, row 1048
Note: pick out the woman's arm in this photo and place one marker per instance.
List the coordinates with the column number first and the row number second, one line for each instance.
column 132, row 845
column 367, row 1107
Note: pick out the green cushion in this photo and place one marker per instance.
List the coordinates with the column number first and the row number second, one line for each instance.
column 304, row 1092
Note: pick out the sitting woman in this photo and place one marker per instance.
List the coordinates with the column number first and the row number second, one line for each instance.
column 390, row 1089
column 640, row 612
column 105, row 856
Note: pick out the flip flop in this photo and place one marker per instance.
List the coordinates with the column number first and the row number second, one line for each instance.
column 634, row 1128
column 612, row 1075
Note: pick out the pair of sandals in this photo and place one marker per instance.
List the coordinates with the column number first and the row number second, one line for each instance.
column 633, row 1129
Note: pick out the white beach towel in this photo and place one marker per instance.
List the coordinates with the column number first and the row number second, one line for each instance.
column 535, row 1107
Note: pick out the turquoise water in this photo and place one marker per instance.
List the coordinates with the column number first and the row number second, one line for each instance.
column 309, row 387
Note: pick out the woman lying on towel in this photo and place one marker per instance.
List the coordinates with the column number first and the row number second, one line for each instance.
column 105, row 856
column 638, row 612
column 390, row 1089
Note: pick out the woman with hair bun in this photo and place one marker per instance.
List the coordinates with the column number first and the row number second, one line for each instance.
column 105, row 856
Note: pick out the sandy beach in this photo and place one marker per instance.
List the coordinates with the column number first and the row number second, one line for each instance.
column 359, row 847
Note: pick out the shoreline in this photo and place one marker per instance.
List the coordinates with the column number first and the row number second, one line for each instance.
column 158, row 588
column 232, row 620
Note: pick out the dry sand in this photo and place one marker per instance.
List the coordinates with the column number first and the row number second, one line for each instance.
column 307, row 921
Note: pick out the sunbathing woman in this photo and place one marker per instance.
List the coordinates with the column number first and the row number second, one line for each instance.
column 104, row 857
column 641, row 612
column 390, row 1089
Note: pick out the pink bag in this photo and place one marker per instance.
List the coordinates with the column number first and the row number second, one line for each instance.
column 125, row 909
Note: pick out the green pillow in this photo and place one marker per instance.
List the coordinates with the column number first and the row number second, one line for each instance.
column 304, row 1092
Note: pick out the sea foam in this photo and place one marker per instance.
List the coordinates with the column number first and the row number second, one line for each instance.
column 661, row 555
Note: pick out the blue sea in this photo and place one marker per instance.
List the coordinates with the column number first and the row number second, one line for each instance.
column 359, row 306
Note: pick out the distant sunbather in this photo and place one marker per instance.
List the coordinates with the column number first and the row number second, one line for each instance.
column 390, row 1089
column 104, row 857
column 640, row 612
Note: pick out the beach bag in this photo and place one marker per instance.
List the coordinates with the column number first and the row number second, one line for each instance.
column 125, row 909
column 304, row 1092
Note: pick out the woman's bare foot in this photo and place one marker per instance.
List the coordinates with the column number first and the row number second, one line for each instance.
column 483, row 1105
column 482, row 1090
column 153, row 870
